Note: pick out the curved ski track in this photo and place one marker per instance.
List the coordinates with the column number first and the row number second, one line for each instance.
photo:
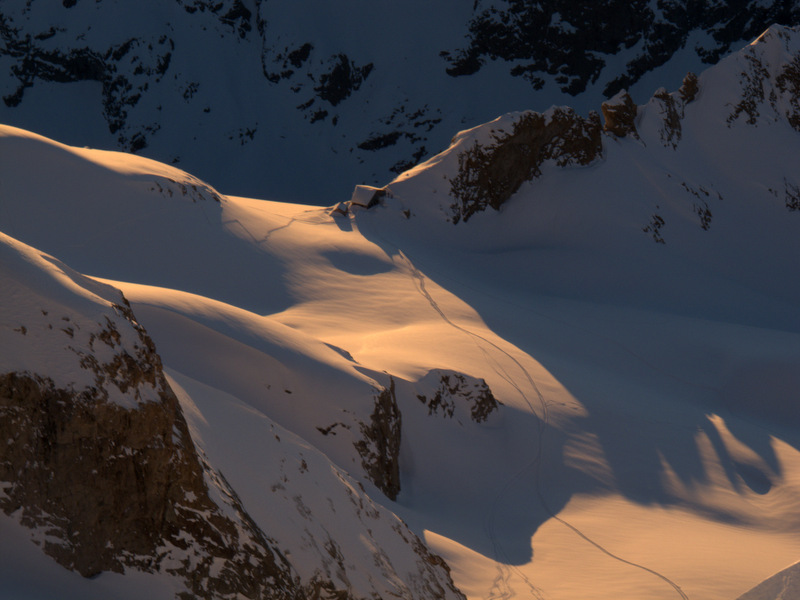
column 501, row 588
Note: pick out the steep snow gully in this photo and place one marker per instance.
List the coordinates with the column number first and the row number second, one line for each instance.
column 501, row 588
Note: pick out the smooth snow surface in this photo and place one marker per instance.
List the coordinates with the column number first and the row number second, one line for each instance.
column 648, row 445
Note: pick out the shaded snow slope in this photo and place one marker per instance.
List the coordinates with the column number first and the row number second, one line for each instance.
column 645, row 437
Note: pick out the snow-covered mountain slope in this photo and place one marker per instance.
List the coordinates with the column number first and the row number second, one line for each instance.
column 784, row 584
column 297, row 101
column 559, row 404
column 99, row 464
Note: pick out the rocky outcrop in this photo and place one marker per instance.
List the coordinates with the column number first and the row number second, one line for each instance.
column 98, row 463
column 107, row 478
column 364, row 110
column 671, row 111
column 380, row 446
column 689, row 88
column 488, row 175
column 109, row 488
column 788, row 84
column 456, row 393
column 562, row 39
column 620, row 115
column 769, row 80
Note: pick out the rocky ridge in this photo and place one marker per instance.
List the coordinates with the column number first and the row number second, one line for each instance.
column 493, row 166
column 141, row 88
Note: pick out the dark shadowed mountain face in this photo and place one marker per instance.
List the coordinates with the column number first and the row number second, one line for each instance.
column 300, row 103
column 568, row 39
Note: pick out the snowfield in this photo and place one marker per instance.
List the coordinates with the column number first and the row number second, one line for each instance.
column 646, row 437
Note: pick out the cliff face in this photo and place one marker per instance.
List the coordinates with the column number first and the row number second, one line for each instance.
column 379, row 447
column 458, row 396
column 108, row 488
column 98, row 463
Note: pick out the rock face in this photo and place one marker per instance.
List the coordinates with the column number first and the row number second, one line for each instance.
column 108, row 479
column 488, row 175
column 457, row 393
column 564, row 39
column 770, row 80
column 620, row 115
column 107, row 488
column 768, row 90
column 689, row 88
column 380, row 447
column 98, row 463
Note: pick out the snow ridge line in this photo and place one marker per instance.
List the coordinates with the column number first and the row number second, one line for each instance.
column 536, row 462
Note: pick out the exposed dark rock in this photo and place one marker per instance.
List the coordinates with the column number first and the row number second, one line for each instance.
column 379, row 141
column 380, row 447
column 455, row 390
column 752, row 84
column 654, row 228
column 791, row 195
column 342, row 80
column 286, row 61
column 300, row 55
column 670, row 130
column 689, row 88
column 489, row 175
column 788, row 83
column 779, row 95
column 563, row 38
column 700, row 204
column 120, row 91
column 112, row 485
column 559, row 38
column 620, row 115
column 232, row 13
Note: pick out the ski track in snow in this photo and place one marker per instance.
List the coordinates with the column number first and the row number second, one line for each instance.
column 501, row 588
